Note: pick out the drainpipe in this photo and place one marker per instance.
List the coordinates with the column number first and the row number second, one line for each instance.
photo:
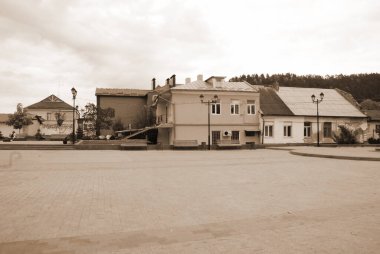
column 262, row 133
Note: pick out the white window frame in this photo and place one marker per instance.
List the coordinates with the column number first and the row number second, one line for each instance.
column 288, row 130
column 235, row 107
column 307, row 130
column 49, row 116
column 214, row 108
column 251, row 107
column 268, row 129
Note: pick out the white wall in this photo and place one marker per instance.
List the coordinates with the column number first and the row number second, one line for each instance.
column 297, row 123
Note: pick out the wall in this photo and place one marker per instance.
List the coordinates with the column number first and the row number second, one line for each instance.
column 190, row 116
column 298, row 128
column 278, row 129
column 130, row 110
column 371, row 132
column 50, row 127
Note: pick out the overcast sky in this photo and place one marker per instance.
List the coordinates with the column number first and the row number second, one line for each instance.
column 48, row 46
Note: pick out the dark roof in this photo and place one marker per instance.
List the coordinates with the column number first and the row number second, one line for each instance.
column 121, row 92
column 374, row 115
column 271, row 103
column 51, row 102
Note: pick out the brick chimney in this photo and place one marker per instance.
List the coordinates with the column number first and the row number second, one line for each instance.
column 187, row 80
column 172, row 78
column 153, row 84
column 200, row 77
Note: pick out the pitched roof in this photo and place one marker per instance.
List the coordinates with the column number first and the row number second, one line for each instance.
column 334, row 104
column 224, row 86
column 121, row 92
column 51, row 102
column 271, row 103
column 374, row 115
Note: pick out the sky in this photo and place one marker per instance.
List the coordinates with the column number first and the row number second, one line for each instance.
column 49, row 46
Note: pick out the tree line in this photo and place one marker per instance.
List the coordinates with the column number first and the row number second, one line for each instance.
column 361, row 86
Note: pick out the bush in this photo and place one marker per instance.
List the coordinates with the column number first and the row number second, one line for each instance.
column 344, row 136
column 79, row 133
column 38, row 135
column 1, row 135
column 118, row 125
column 374, row 141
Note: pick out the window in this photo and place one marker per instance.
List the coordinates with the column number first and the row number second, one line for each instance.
column 307, row 129
column 235, row 135
column 235, row 107
column 287, row 129
column 215, row 108
column 268, row 131
column 251, row 107
column 327, row 129
column 48, row 116
column 215, row 137
column 377, row 128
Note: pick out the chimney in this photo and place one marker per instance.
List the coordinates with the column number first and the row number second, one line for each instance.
column 187, row 80
column 173, row 80
column 153, row 84
column 167, row 81
column 200, row 77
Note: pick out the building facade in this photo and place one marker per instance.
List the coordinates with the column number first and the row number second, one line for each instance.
column 289, row 115
column 182, row 112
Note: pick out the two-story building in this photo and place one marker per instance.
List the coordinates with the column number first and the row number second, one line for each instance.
column 187, row 111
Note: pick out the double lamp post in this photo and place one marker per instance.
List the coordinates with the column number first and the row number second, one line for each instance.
column 208, row 102
column 317, row 101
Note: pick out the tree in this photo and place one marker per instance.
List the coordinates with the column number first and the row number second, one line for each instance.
column 98, row 118
column 369, row 104
column 118, row 125
column 345, row 136
column 19, row 118
column 60, row 118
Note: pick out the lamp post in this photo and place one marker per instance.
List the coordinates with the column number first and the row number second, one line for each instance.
column 74, row 93
column 208, row 102
column 317, row 101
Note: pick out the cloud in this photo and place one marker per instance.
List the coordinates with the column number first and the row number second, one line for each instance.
column 49, row 46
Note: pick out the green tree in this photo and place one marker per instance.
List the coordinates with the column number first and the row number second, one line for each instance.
column 19, row 118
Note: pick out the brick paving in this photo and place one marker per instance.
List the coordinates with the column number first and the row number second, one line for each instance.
column 249, row 201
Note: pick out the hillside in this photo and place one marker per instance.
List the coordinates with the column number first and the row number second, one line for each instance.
column 361, row 86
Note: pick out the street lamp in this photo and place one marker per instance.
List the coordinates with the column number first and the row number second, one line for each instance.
column 214, row 100
column 317, row 101
column 74, row 93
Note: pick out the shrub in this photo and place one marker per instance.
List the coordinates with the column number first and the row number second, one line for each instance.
column 39, row 135
column 79, row 133
column 345, row 136
column 118, row 125
column 374, row 141
column 1, row 135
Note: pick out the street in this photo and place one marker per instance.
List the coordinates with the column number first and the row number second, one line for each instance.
column 243, row 201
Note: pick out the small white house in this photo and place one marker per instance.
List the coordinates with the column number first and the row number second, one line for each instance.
column 290, row 116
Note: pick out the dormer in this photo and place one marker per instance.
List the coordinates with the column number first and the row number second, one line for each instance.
column 215, row 81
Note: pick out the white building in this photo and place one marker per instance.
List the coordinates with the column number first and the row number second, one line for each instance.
column 289, row 115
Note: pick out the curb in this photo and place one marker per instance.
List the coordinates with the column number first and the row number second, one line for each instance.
column 334, row 156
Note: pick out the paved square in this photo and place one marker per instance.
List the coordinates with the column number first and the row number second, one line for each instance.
column 258, row 201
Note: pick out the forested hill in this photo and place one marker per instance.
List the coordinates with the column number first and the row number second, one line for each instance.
column 361, row 86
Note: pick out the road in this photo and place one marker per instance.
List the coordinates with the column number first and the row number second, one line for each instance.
column 248, row 201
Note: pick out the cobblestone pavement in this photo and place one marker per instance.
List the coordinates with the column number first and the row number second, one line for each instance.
column 249, row 201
